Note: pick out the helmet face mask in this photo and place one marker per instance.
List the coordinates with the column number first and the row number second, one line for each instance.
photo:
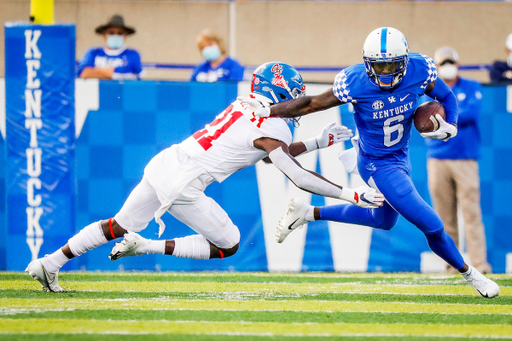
column 385, row 55
column 278, row 82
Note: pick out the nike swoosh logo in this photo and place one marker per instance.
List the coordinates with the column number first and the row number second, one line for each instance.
column 486, row 295
column 290, row 227
column 48, row 279
column 365, row 200
column 402, row 99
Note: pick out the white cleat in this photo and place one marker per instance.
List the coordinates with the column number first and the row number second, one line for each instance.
column 49, row 281
column 292, row 219
column 129, row 246
column 485, row 287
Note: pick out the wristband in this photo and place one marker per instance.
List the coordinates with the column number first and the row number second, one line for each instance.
column 311, row 144
column 348, row 194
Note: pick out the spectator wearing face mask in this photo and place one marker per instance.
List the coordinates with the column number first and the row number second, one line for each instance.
column 114, row 60
column 501, row 71
column 452, row 165
column 217, row 66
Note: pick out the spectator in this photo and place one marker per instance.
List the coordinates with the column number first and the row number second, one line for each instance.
column 452, row 165
column 501, row 71
column 114, row 60
column 217, row 66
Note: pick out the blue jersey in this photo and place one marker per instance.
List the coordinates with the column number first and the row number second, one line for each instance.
column 467, row 142
column 384, row 118
column 229, row 70
column 126, row 62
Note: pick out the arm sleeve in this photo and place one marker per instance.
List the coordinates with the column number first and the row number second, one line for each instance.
column 446, row 97
column 301, row 177
column 86, row 61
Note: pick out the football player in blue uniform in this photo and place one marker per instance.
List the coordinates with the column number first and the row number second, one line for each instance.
column 384, row 91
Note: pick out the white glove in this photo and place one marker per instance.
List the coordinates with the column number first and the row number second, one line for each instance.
column 261, row 109
column 444, row 132
column 363, row 196
column 331, row 134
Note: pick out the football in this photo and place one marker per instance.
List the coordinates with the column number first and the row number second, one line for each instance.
column 425, row 116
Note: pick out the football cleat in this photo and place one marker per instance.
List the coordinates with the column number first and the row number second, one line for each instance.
column 483, row 285
column 292, row 219
column 49, row 281
column 129, row 246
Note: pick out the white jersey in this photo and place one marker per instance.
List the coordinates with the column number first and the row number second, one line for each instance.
column 226, row 144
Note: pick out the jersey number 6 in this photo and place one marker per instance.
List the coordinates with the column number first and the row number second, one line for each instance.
column 390, row 129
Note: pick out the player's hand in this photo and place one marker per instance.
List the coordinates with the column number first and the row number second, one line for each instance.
column 331, row 134
column 363, row 196
column 444, row 132
column 261, row 109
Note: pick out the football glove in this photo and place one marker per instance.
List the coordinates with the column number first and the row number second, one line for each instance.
column 261, row 109
column 444, row 132
column 363, row 196
column 331, row 134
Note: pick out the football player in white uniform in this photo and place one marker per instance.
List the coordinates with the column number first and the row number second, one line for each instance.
column 175, row 180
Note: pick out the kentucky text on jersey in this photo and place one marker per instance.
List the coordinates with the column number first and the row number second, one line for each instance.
column 392, row 111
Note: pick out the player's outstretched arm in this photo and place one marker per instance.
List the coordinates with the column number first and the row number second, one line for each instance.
column 312, row 182
column 293, row 108
column 331, row 134
column 305, row 105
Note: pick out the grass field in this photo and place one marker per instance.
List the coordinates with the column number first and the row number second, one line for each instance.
column 252, row 306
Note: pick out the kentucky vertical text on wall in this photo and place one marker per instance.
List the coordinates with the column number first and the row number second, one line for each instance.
column 33, row 122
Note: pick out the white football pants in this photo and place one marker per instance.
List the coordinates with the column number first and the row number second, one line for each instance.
column 203, row 214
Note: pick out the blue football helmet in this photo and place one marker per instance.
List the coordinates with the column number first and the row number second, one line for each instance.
column 278, row 82
column 385, row 55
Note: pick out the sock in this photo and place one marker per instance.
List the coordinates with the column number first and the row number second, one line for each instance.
column 310, row 214
column 87, row 239
column 196, row 247
column 154, row 247
column 468, row 273
column 55, row 261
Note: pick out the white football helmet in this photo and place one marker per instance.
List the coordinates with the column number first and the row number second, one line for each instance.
column 385, row 55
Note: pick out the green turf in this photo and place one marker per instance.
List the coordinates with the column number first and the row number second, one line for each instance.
column 252, row 306
column 188, row 337
column 374, row 278
column 463, row 299
column 260, row 316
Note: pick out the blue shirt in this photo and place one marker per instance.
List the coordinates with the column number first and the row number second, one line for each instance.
column 229, row 70
column 126, row 62
column 467, row 142
column 384, row 117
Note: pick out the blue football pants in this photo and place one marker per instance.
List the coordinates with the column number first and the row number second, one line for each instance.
column 402, row 198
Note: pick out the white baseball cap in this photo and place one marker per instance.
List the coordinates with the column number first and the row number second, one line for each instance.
column 508, row 42
column 445, row 53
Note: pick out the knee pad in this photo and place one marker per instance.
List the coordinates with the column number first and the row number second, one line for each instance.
column 435, row 234
column 386, row 218
column 231, row 251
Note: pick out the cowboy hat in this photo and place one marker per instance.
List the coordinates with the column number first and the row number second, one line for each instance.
column 115, row 21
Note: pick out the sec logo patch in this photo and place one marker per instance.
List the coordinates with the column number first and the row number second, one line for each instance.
column 377, row 105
